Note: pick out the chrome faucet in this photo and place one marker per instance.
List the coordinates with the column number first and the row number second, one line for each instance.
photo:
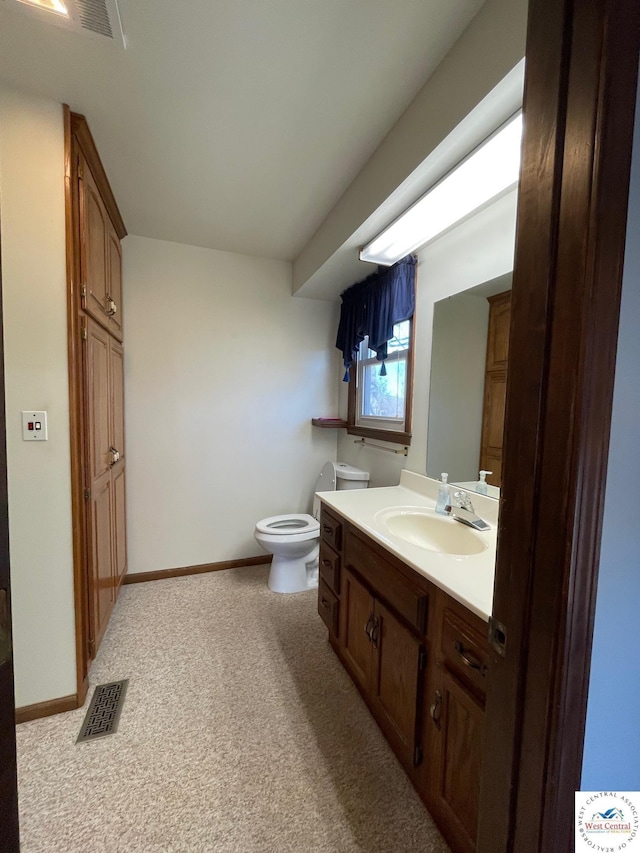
column 462, row 510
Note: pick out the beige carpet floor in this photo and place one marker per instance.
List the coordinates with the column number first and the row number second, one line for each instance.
column 240, row 732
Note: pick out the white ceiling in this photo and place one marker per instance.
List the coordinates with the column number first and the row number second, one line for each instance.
column 236, row 124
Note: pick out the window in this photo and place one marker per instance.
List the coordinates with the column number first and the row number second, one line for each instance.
column 379, row 405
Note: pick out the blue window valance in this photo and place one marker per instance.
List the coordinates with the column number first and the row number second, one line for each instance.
column 372, row 307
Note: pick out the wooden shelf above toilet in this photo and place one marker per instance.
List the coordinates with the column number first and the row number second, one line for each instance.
column 329, row 423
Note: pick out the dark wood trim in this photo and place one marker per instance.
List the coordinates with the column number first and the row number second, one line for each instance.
column 47, row 709
column 76, row 412
column 80, row 130
column 331, row 424
column 9, row 816
column 381, row 434
column 203, row 568
column 580, row 92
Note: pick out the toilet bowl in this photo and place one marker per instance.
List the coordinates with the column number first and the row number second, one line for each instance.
column 293, row 539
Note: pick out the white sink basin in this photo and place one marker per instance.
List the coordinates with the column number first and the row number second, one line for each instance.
column 423, row 527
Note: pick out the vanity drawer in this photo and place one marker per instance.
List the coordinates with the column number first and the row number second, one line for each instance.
column 330, row 568
column 330, row 530
column 407, row 599
column 464, row 650
column 328, row 607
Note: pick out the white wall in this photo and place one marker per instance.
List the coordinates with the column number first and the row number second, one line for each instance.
column 35, row 340
column 479, row 250
column 224, row 370
column 612, row 739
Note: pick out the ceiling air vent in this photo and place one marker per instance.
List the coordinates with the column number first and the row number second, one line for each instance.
column 95, row 18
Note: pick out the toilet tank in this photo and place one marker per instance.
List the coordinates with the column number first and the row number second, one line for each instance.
column 338, row 476
column 349, row 477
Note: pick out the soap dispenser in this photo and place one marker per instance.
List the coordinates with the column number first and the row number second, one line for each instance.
column 481, row 488
column 444, row 495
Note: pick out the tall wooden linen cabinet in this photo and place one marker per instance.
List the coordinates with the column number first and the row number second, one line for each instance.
column 96, row 370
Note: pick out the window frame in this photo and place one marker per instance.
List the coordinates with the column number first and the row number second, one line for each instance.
column 379, row 433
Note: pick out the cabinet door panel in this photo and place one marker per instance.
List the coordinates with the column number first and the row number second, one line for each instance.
column 498, row 332
column 97, row 390
column 495, row 389
column 114, row 279
column 101, row 578
column 395, row 681
column 98, row 400
column 94, row 219
column 119, row 537
column 458, row 779
column 116, row 395
column 357, row 614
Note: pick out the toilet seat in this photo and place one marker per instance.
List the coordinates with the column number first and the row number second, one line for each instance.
column 289, row 525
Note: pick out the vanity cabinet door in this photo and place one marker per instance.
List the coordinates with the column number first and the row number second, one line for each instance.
column 458, row 718
column 357, row 606
column 398, row 657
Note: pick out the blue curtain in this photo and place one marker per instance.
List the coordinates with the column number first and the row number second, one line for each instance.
column 372, row 307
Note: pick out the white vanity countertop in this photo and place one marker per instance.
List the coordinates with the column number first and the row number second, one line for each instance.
column 468, row 579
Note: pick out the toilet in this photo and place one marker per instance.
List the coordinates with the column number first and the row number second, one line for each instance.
column 294, row 539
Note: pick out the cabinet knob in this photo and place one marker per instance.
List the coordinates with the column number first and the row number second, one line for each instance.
column 436, row 709
column 369, row 626
column 111, row 306
column 327, row 528
column 115, row 455
column 375, row 632
column 468, row 659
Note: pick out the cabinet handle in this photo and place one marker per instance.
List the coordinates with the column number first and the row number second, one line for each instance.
column 111, row 306
column 326, row 562
column 324, row 602
column 369, row 626
column 375, row 632
column 115, row 456
column 436, row 709
column 468, row 659
column 327, row 528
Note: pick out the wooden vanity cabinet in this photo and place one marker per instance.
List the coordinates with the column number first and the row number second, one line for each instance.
column 419, row 659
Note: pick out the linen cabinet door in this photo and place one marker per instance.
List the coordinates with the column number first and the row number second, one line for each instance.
column 94, row 224
column 356, row 624
column 98, row 440
column 114, row 283
column 398, row 657
column 116, row 397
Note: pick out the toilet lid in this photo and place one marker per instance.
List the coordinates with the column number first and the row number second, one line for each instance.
column 288, row 524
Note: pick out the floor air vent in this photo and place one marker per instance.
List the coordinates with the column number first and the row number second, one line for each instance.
column 103, row 713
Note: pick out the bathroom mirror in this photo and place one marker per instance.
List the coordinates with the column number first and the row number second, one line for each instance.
column 459, row 369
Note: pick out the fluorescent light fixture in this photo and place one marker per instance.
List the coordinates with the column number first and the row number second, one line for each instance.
column 56, row 6
column 490, row 170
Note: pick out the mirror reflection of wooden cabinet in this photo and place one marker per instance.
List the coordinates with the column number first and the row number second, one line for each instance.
column 495, row 386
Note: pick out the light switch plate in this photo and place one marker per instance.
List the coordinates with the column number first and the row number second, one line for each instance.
column 34, row 426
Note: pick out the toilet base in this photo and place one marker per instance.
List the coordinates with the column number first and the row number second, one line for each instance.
column 292, row 574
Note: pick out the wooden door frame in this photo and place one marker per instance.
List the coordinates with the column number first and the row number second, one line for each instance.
column 77, row 137
column 9, row 820
column 579, row 102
